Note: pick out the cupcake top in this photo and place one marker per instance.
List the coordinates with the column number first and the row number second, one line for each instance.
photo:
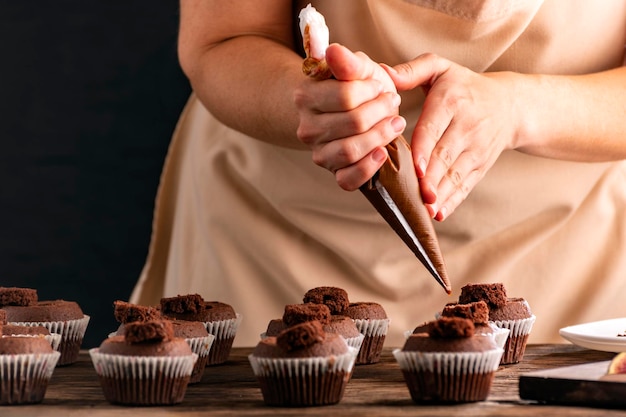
column 127, row 313
column 492, row 294
column 449, row 334
column 514, row 309
column 299, row 313
column 44, row 311
column 304, row 340
column 149, row 338
column 9, row 329
column 476, row 311
column 193, row 307
column 335, row 298
column 14, row 296
column 501, row 307
column 366, row 310
column 16, row 345
column 132, row 313
column 342, row 325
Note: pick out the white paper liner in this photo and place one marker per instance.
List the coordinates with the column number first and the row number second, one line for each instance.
column 224, row 329
column 500, row 335
column 297, row 367
column 28, row 365
column 449, row 363
column 375, row 327
column 28, row 372
column 69, row 330
column 517, row 328
column 141, row 367
column 355, row 342
column 201, row 345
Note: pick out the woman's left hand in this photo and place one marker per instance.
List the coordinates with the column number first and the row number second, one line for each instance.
column 467, row 120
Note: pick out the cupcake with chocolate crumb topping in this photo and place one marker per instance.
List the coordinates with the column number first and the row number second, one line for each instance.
column 512, row 313
column 448, row 363
column 194, row 332
column 145, row 366
column 303, row 366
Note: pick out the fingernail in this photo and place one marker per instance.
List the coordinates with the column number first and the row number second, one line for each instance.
column 398, row 123
column 432, row 209
column 379, row 155
column 443, row 212
column 421, row 167
column 396, row 100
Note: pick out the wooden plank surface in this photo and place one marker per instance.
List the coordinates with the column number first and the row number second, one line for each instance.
column 379, row 389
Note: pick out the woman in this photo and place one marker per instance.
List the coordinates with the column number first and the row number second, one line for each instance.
column 523, row 172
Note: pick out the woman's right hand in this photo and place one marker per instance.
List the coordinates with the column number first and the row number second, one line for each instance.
column 347, row 121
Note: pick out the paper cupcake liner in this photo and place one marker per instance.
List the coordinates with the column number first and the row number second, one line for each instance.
column 303, row 381
column 143, row 380
column 377, row 327
column 224, row 332
column 72, row 333
column 24, row 377
column 201, row 346
column 355, row 342
column 517, row 327
column 515, row 345
column 448, row 376
column 224, row 329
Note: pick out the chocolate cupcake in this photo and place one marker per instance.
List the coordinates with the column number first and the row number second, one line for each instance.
column 449, row 363
column 303, row 366
column 372, row 321
column 220, row 320
column 193, row 332
column 505, row 312
column 63, row 317
column 27, row 362
column 145, row 366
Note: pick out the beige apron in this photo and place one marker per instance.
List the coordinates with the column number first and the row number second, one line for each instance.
column 256, row 225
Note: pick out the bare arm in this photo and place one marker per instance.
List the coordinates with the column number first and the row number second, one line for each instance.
column 238, row 56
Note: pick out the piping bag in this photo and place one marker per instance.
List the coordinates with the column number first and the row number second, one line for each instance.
column 394, row 189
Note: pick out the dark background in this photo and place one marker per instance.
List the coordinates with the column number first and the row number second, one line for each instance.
column 90, row 92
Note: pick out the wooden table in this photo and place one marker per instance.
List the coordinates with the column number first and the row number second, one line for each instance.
column 375, row 390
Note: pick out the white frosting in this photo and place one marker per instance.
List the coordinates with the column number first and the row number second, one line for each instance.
column 318, row 31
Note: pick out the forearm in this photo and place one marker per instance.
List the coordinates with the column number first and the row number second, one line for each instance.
column 578, row 118
column 247, row 83
column 239, row 58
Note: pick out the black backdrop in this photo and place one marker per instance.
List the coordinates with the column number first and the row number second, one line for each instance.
column 90, row 92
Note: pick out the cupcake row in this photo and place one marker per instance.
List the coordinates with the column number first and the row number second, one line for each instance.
column 304, row 358
column 301, row 361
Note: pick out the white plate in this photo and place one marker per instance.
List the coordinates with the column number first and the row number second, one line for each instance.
column 598, row 335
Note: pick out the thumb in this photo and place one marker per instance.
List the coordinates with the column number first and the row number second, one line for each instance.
column 351, row 66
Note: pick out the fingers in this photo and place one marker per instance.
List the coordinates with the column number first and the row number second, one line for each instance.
column 355, row 159
column 423, row 70
column 330, row 125
column 349, row 66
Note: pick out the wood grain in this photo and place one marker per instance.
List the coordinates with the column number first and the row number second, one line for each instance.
column 378, row 389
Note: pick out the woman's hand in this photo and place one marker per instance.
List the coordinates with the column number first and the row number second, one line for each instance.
column 348, row 120
column 467, row 120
